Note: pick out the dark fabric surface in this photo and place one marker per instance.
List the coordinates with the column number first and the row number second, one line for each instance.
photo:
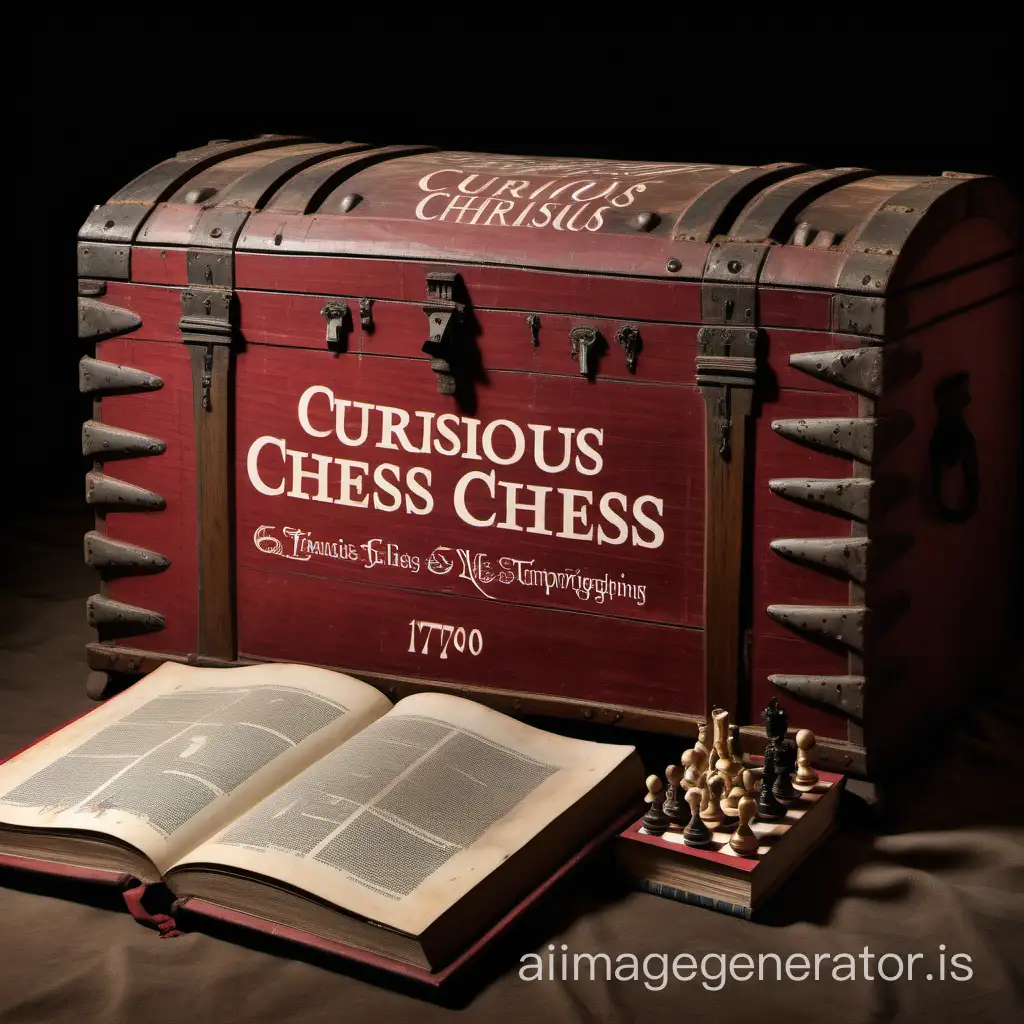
column 945, row 867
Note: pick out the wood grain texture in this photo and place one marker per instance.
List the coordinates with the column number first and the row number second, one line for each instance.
column 778, row 581
column 963, row 579
column 724, row 552
column 642, row 453
column 360, row 627
column 214, row 500
column 166, row 414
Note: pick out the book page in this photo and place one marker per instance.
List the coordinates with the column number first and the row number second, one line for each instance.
column 409, row 815
column 169, row 761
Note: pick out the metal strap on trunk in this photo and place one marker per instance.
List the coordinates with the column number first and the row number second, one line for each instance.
column 104, row 248
column 306, row 192
column 726, row 375
column 713, row 211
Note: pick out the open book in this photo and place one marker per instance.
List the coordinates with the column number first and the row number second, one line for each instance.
column 303, row 797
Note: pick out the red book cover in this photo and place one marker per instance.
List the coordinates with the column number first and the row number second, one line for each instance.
column 203, row 908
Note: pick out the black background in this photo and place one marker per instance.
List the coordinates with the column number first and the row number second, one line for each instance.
column 99, row 115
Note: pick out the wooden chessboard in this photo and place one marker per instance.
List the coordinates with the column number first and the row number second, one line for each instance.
column 769, row 833
column 715, row 876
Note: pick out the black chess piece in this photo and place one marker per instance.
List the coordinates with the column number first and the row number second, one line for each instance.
column 696, row 833
column 768, row 806
column 675, row 810
column 776, row 721
column 655, row 820
column 785, row 761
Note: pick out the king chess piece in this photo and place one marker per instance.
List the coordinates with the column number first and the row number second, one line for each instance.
column 655, row 820
column 696, row 833
column 673, row 807
column 776, row 721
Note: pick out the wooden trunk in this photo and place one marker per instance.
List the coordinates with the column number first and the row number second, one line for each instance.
column 578, row 438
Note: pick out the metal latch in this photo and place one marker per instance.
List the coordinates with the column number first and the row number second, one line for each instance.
column 582, row 342
column 206, row 315
column 628, row 338
column 726, row 374
column 443, row 313
column 338, row 323
column 207, row 381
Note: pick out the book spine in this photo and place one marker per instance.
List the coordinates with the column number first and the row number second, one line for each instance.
column 694, row 899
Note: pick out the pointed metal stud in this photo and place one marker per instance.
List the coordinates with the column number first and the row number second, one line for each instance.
column 844, row 693
column 118, row 558
column 849, row 496
column 843, row 623
column 116, row 616
column 845, row 555
column 105, row 442
column 858, row 369
column 119, row 495
column 99, row 320
column 96, row 376
column 862, row 438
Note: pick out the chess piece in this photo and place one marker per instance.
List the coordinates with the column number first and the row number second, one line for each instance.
column 785, row 760
column 751, row 780
column 712, row 813
column 694, row 761
column 734, row 788
column 720, row 719
column 768, row 806
column 744, row 840
column 806, row 777
column 654, row 821
column 776, row 721
column 702, row 740
column 696, row 833
column 673, row 809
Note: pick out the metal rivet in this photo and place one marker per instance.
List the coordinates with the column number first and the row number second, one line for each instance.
column 108, row 225
column 587, row 713
column 673, row 266
column 215, row 232
column 734, row 266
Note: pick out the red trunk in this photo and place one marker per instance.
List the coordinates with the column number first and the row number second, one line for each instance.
column 566, row 501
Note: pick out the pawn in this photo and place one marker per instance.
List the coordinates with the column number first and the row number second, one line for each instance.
column 806, row 777
column 751, row 780
column 673, row 809
column 696, row 833
column 655, row 821
column 712, row 813
column 782, row 788
column 744, row 840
